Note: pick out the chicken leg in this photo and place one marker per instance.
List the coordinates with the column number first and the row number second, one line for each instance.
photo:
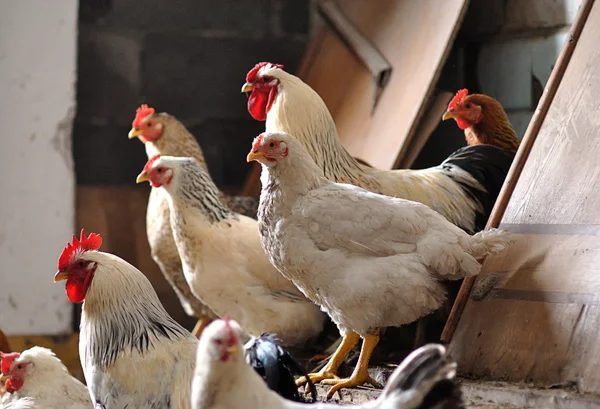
column 329, row 371
column 360, row 375
column 200, row 325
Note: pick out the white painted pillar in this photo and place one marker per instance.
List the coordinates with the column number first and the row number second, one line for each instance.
column 38, row 45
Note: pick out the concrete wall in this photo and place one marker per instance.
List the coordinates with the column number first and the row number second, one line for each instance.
column 185, row 57
column 37, row 105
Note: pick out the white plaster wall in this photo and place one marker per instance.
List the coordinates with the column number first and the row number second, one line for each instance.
column 38, row 40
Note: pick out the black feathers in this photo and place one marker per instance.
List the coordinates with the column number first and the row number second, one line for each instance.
column 427, row 363
column 276, row 366
column 486, row 164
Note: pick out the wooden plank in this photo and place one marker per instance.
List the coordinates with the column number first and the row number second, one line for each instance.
column 549, row 263
column 118, row 213
column 522, row 155
column 415, row 38
column 540, row 323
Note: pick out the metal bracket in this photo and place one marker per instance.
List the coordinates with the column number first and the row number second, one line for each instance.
column 359, row 45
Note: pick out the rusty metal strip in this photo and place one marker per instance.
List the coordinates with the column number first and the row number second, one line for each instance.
column 554, row 229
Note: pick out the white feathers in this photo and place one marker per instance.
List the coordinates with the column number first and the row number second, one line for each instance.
column 225, row 265
column 132, row 352
column 375, row 261
column 47, row 384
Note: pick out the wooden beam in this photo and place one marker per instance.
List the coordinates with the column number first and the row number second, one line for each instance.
column 521, row 157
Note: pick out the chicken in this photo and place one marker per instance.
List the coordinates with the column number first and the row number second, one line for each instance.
column 164, row 134
column 370, row 261
column 223, row 260
column 458, row 188
column 133, row 354
column 276, row 366
column 222, row 379
column 39, row 376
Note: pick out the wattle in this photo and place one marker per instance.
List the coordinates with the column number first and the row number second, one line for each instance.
column 13, row 384
column 463, row 123
column 77, row 286
column 257, row 105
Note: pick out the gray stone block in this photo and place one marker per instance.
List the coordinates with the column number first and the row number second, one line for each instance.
column 108, row 76
column 225, row 144
column 249, row 17
column 200, row 78
column 105, row 156
column 295, row 16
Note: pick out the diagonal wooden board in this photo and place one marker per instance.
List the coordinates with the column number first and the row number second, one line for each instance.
column 540, row 322
column 415, row 37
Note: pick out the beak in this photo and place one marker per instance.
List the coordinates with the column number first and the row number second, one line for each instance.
column 142, row 177
column 134, row 133
column 247, row 87
column 254, row 155
column 61, row 276
column 448, row 114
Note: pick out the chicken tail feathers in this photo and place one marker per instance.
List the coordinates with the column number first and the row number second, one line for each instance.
column 491, row 241
column 276, row 366
column 425, row 379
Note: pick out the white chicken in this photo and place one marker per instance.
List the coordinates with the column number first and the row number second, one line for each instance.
column 369, row 260
column 36, row 378
column 223, row 380
column 223, row 260
column 133, row 354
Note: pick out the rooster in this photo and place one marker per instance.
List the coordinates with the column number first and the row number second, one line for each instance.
column 463, row 188
column 223, row 260
column 424, row 380
column 164, row 134
column 38, row 376
column 370, row 261
column 132, row 352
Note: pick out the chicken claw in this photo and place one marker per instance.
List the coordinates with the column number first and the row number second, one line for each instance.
column 329, row 371
column 354, row 380
column 315, row 377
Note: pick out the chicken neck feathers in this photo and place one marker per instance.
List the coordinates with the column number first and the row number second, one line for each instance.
column 368, row 260
column 226, row 266
column 451, row 190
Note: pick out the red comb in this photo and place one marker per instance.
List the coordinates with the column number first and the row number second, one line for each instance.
column 7, row 361
column 141, row 113
column 91, row 242
column 458, row 97
column 252, row 73
column 257, row 142
column 232, row 337
column 150, row 162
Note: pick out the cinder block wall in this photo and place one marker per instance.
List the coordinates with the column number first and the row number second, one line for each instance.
column 505, row 49
column 185, row 57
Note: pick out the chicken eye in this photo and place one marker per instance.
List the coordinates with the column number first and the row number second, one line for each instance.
column 272, row 145
column 159, row 170
column 81, row 264
column 19, row 366
column 218, row 342
column 468, row 106
column 149, row 124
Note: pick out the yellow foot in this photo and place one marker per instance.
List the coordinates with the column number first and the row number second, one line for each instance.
column 317, row 377
column 200, row 325
column 354, row 380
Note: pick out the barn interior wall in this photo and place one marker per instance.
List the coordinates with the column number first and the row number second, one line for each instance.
column 37, row 105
